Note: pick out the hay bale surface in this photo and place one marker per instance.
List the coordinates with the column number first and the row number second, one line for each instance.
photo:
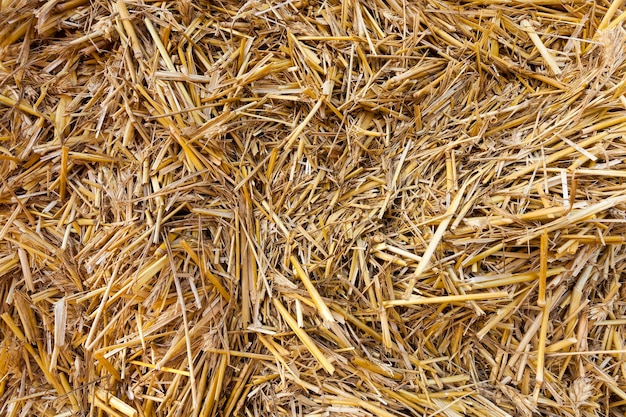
column 309, row 208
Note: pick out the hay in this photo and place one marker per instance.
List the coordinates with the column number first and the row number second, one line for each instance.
column 308, row 208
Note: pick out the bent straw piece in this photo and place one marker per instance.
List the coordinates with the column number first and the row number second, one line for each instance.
column 304, row 337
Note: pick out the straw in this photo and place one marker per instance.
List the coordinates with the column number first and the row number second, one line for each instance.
column 312, row 208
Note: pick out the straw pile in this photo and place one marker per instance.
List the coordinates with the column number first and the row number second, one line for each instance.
column 310, row 208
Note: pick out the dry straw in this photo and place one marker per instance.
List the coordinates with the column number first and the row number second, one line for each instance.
column 312, row 208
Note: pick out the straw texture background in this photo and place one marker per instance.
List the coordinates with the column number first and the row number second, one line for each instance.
column 312, row 208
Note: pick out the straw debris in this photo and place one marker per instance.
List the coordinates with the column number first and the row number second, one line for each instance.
column 308, row 208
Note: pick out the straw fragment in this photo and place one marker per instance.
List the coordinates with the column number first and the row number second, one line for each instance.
column 310, row 287
column 304, row 337
column 547, row 56
column 446, row 299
